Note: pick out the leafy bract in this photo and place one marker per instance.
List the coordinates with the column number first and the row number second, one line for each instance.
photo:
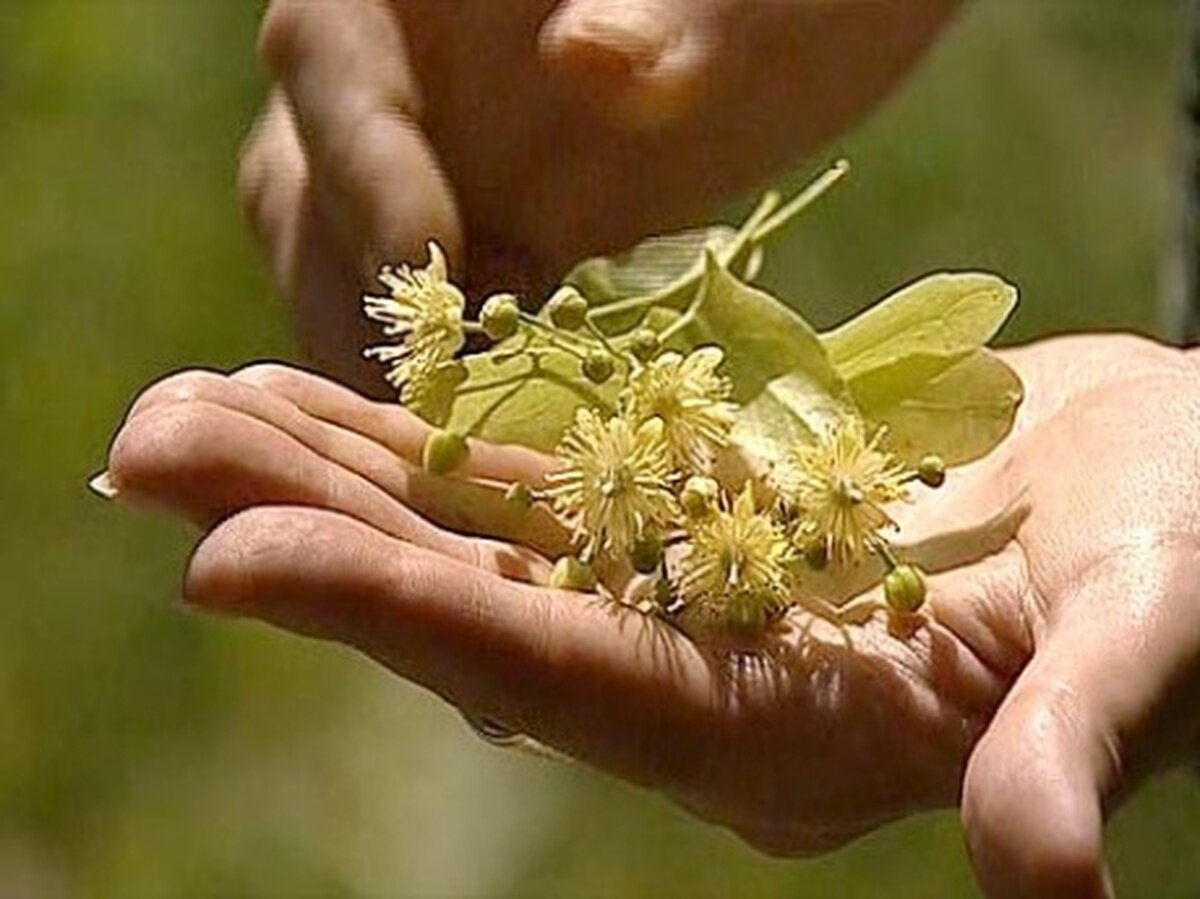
column 524, row 399
column 914, row 363
column 666, row 273
column 943, row 315
column 960, row 413
column 650, row 267
column 782, row 377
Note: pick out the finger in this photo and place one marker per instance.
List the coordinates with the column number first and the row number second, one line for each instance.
column 641, row 62
column 344, row 69
column 387, row 423
column 307, row 263
column 1084, row 718
column 386, row 455
column 560, row 667
column 205, row 461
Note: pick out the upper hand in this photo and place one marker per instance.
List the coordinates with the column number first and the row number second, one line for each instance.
column 1044, row 678
column 524, row 135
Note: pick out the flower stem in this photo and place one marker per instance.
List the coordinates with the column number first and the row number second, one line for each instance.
column 807, row 197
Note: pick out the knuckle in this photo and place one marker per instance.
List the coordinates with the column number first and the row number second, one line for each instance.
column 183, row 387
column 272, row 169
column 254, row 169
column 272, row 376
column 281, row 37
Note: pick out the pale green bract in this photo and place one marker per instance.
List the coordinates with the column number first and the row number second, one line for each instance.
column 704, row 433
column 915, row 362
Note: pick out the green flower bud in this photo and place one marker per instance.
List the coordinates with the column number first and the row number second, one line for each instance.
column 567, row 309
column 454, row 373
column 443, row 452
column 932, row 471
column 500, row 316
column 699, row 496
column 519, row 495
column 904, row 589
column 598, row 366
column 647, row 554
column 817, row 556
column 645, row 344
column 664, row 596
column 571, row 574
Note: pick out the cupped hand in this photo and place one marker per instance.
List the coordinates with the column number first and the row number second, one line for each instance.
column 1038, row 684
column 527, row 134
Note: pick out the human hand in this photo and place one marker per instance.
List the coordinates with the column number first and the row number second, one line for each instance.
column 527, row 134
column 1043, row 679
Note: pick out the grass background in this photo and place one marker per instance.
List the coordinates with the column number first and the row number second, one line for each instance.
column 148, row 752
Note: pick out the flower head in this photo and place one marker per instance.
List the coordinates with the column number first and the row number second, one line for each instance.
column 612, row 485
column 691, row 399
column 738, row 562
column 839, row 484
column 425, row 313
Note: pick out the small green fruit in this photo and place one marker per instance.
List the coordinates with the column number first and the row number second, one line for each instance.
column 598, row 366
column 444, row 452
column 904, row 589
column 664, row 595
column 645, row 345
column 817, row 556
column 567, row 309
column 571, row 574
column 500, row 316
column 454, row 373
column 932, row 471
column 647, row 554
column 699, row 496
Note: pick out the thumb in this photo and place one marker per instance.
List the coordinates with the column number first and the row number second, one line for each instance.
column 641, row 62
column 1085, row 716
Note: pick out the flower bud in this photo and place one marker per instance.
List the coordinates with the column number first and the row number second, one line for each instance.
column 932, row 471
column 519, row 495
column 571, row 574
column 453, row 372
column 647, row 554
column 904, row 589
column 443, row 452
column 500, row 316
column 645, row 344
column 817, row 555
column 664, row 596
column 699, row 496
column 598, row 366
column 567, row 309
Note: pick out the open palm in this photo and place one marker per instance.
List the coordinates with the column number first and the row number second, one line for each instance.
column 1047, row 672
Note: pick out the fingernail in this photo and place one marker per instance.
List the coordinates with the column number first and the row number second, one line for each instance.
column 641, row 32
column 104, row 486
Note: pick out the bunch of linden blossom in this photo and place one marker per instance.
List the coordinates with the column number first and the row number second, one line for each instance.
column 620, row 377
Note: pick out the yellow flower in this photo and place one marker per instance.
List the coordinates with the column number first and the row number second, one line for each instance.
column 839, row 484
column 737, row 566
column 425, row 313
column 612, row 486
column 691, row 399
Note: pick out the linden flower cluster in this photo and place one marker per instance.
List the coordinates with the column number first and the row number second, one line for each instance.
column 425, row 311
column 634, row 480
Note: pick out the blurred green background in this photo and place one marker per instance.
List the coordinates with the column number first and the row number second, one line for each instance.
column 149, row 752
